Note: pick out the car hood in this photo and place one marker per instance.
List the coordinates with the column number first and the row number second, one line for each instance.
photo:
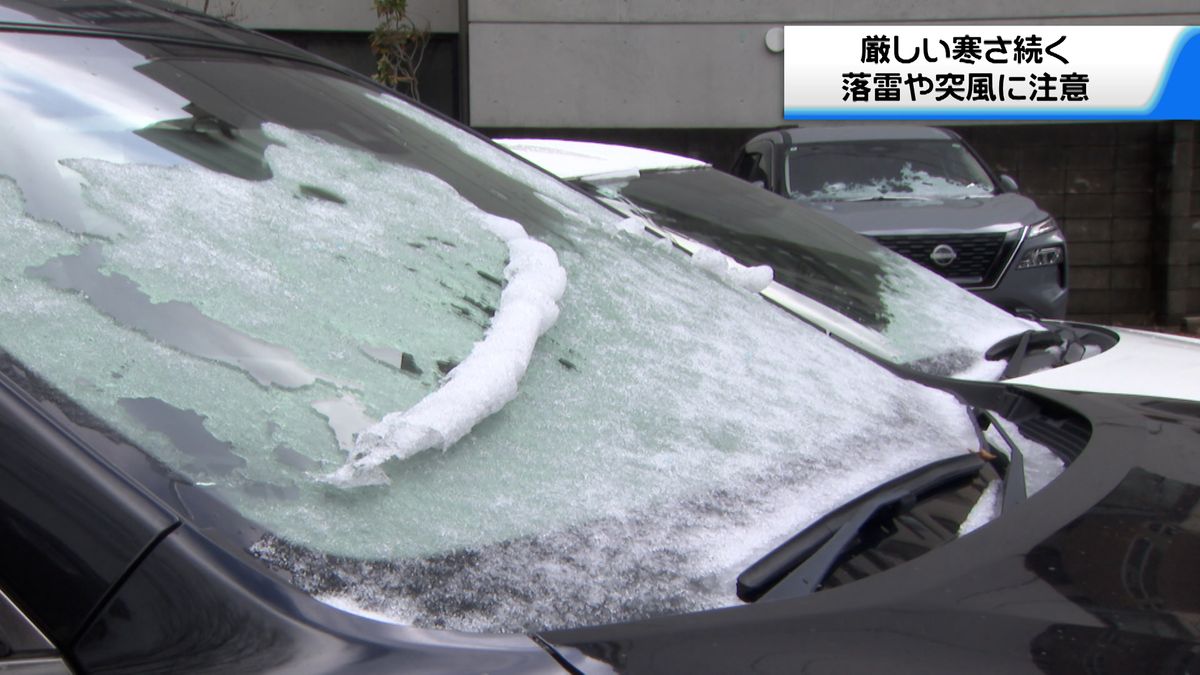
column 895, row 216
column 1140, row 364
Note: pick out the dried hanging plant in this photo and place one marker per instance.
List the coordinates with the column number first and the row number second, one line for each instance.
column 398, row 45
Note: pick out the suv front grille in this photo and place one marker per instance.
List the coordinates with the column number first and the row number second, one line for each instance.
column 980, row 256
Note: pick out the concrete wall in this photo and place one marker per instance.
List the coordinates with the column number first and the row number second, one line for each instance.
column 440, row 16
column 693, row 63
column 825, row 11
column 641, row 75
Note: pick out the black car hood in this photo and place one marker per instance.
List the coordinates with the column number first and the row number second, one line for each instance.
column 1095, row 574
column 894, row 216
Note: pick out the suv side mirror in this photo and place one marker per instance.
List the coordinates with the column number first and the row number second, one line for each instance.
column 1009, row 184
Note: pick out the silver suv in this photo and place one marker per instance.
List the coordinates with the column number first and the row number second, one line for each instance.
column 924, row 193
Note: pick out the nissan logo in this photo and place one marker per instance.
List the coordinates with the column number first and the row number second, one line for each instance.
column 943, row 255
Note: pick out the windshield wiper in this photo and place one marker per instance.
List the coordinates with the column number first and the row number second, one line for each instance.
column 1071, row 344
column 1013, row 466
column 799, row 565
column 1035, row 339
column 1015, row 347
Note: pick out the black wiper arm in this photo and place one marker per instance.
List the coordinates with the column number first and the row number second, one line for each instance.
column 1035, row 339
column 1015, row 489
column 1018, row 355
column 1015, row 347
column 798, row 566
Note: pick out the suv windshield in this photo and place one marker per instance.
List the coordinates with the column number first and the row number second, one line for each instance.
column 884, row 169
column 448, row 387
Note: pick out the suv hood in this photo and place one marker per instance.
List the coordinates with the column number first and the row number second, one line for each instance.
column 893, row 216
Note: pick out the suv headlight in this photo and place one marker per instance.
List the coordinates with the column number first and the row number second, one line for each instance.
column 1046, row 255
column 1047, row 226
column 1041, row 257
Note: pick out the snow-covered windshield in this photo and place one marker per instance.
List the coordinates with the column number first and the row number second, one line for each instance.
column 884, row 169
column 450, row 388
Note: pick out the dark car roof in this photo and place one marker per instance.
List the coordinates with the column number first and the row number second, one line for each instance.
column 151, row 19
column 855, row 132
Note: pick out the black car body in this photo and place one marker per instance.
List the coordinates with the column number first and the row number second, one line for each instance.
column 951, row 212
column 127, row 544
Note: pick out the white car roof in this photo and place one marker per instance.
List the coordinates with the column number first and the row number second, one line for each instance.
column 572, row 160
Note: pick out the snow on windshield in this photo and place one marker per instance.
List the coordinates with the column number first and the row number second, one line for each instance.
column 487, row 379
column 754, row 279
column 253, row 276
column 910, row 184
column 937, row 327
column 668, row 429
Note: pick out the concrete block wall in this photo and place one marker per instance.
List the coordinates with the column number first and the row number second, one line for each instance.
column 1105, row 183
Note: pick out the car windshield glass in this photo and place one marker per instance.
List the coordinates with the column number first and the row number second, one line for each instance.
column 449, row 388
column 923, row 320
column 884, row 169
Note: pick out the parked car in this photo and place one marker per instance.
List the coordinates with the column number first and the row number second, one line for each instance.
column 297, row 376
column 926, row 194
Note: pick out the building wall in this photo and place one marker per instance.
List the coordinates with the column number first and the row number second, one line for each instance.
column 439, row 16
column 823, row 11
column 694, row 63
column 621, row 75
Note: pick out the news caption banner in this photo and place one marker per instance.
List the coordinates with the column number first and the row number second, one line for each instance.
column 991, row 72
